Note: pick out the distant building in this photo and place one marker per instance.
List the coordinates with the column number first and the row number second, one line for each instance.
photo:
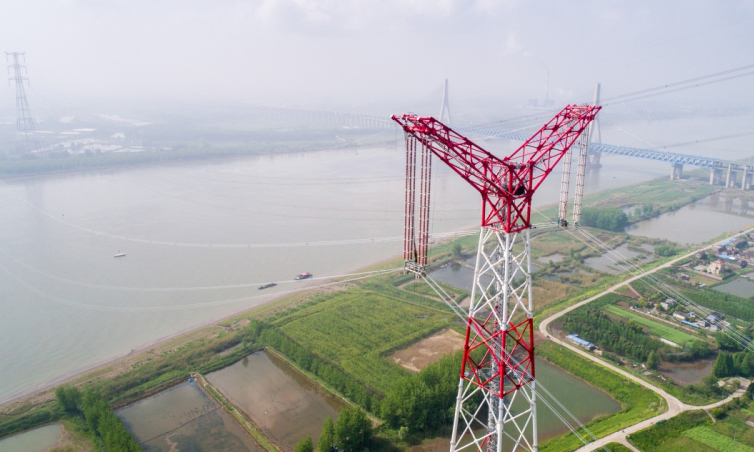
column 714, row 317
column 693, row 325
column 679, row 316
column 581, row 342
column 668, row 304
column 716, row 267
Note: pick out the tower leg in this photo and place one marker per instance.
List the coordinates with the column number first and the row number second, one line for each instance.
column 580, row 175
column 498, row 363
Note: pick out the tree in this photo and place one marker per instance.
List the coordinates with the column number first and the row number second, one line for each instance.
column 456, row 250
column 653, row 360
column 726, row 342
column 611, row 219
column 747, row 370
column 723, row 366
column 718, row 369
column 327, row 437
column 69, row 399
column 305, row 445
column 353, row 431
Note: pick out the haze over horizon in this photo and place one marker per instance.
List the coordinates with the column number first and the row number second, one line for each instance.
column 356, row 55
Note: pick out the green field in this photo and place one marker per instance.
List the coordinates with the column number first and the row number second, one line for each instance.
column 356, row 328
column 716, row 441
column 695, row 431
column 655, row 328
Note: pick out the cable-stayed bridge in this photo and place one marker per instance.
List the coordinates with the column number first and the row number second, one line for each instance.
column 721, row 171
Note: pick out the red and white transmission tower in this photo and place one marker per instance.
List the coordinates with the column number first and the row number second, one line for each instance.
column 498, row 358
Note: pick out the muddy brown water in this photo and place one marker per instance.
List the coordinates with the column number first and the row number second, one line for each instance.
column 185, row 419
column 282, row 402
column 685, row 374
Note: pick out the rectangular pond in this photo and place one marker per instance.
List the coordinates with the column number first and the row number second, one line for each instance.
column 37, row 440
column 283, row 403
column 742, row 287
column 611, row 262
column 185, row 419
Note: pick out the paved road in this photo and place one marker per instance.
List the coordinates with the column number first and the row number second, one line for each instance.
column 675, row 406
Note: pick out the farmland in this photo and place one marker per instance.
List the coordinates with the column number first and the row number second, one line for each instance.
column 695, row 431
column 356, row 329
column 655, row 328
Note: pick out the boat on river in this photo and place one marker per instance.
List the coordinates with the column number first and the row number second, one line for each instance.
column 267, row 286
column 119, row 254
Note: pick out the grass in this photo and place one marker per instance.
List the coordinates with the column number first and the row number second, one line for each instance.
column 617, row 447
column 356, row 329
column 715, row 440
column 637, row 402
column 695, row 431
column 655, row 328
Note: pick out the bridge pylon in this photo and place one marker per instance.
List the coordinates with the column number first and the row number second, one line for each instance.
column 445, row 107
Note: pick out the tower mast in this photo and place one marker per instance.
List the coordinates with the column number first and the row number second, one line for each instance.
column 24, row 122
column 498, row 359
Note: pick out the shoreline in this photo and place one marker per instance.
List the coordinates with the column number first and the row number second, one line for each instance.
column 100, row 365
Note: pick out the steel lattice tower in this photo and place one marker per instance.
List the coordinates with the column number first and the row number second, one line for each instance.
column 24, row 122
column 498, row 362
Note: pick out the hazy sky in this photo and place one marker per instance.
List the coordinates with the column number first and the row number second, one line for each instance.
column 357, row 52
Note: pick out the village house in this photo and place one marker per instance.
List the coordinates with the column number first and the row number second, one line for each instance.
column 716, row 267
column 668, row 304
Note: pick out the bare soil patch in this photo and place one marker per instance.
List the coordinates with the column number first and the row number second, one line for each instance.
column 423, row 353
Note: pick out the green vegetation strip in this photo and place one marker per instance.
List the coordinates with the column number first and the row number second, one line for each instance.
column 638, row 403
column 617, row 447
column 716, row 441
column 668, row 436
column 655, row 328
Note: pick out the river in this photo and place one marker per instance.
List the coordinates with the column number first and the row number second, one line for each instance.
column 187, row 228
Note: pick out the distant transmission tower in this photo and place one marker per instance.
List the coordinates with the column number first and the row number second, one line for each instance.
column 24, row 122
column 445, row 108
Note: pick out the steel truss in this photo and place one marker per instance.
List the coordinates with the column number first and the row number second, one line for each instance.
column 498, row 362
column 496, row 404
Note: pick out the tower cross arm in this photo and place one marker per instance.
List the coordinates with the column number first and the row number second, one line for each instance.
column 478, row 167
column 506, row 185
column 549, row 144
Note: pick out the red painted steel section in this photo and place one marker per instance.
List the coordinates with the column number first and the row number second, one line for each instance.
column 506, row 185
column 513, row 369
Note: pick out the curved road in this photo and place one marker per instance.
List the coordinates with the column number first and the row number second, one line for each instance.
column 675, row 406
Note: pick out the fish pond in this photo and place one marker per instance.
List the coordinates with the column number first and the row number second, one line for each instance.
column 283, row 403
column 185, row 419
column 37, row 440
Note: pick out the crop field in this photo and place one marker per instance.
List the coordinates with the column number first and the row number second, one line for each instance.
column 655, row 328
column 357, row 328
column 695, row 431
column 716, row 441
